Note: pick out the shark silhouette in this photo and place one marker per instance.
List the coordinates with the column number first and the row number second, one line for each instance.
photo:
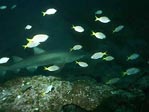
column 41, row 58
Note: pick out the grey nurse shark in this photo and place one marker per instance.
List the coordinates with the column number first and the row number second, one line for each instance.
column 41, row 58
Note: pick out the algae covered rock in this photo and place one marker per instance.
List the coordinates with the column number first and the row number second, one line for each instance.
column 52, row 94
column 32, row 94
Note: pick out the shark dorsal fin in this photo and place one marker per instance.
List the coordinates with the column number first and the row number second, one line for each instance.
column 38, row 50
column 17, row 59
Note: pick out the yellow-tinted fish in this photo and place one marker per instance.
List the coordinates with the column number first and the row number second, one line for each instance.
column 98, row 55
column 76, row 47
column 31, row 44
column 118, row 28
column 108, row 58
column 39, row 38
column 52, row 68
column 49, row 11
column 131, row 71
column 133, row 56
column 102, row 19
column 78, row 28
column 98, row 35
column 82, row 64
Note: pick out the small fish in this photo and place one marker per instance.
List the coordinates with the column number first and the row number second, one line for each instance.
column 31, row 44
column 82, row 64
column 52, row 68
column 102, row 19
column 133, row 56
column 4, row 60
column 13, row 6
column 108, row 58
column 131, row 71
column 3, row 7
column 113, row 81
column 98, row 35
column 78, row 28
column 76, row 47
column 49, row 11
column 28, row 27
column 38, row 38
column 48, row 89
column 118, row 28
column 98, row 55
column 98, row 12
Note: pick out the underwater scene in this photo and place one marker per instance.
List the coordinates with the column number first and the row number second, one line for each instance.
column 74, row 56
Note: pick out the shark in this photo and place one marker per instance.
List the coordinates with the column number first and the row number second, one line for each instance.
column 41, row 58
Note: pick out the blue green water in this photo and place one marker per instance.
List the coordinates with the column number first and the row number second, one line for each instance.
column 133, row 38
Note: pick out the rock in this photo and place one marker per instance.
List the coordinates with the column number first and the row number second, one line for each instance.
column 28, row 94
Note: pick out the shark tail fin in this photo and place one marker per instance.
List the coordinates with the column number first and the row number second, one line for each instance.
column 4, row 69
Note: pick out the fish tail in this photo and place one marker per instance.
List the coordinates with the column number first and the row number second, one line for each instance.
column 92, row 33
column 29, row 40
column 71, row 49
column 73, row 27
column 105, row 53
column 24, row 46
column 124, row 74
column 127, row 59
column 76, row 62
column 43, row 13
column 96, row 18
column 45, row 68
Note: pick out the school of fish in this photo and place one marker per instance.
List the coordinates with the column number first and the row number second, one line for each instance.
column 38, row 39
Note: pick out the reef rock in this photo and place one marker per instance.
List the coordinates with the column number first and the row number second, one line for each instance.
column 50, row 94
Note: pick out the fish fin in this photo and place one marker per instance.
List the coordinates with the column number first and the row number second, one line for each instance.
column 29, row 40
column 43, row 13
column 113, row 31
column 127, row 59
column 96, row 18
column 32, row 68
column 92, row 33
column 38, row 50
column 17, row 59
column 71, row 49
column 24, row 46
column 73, row 27
column 124, row 74
column 45, row 68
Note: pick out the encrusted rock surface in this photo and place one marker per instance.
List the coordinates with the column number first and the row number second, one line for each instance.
column 30, row 94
